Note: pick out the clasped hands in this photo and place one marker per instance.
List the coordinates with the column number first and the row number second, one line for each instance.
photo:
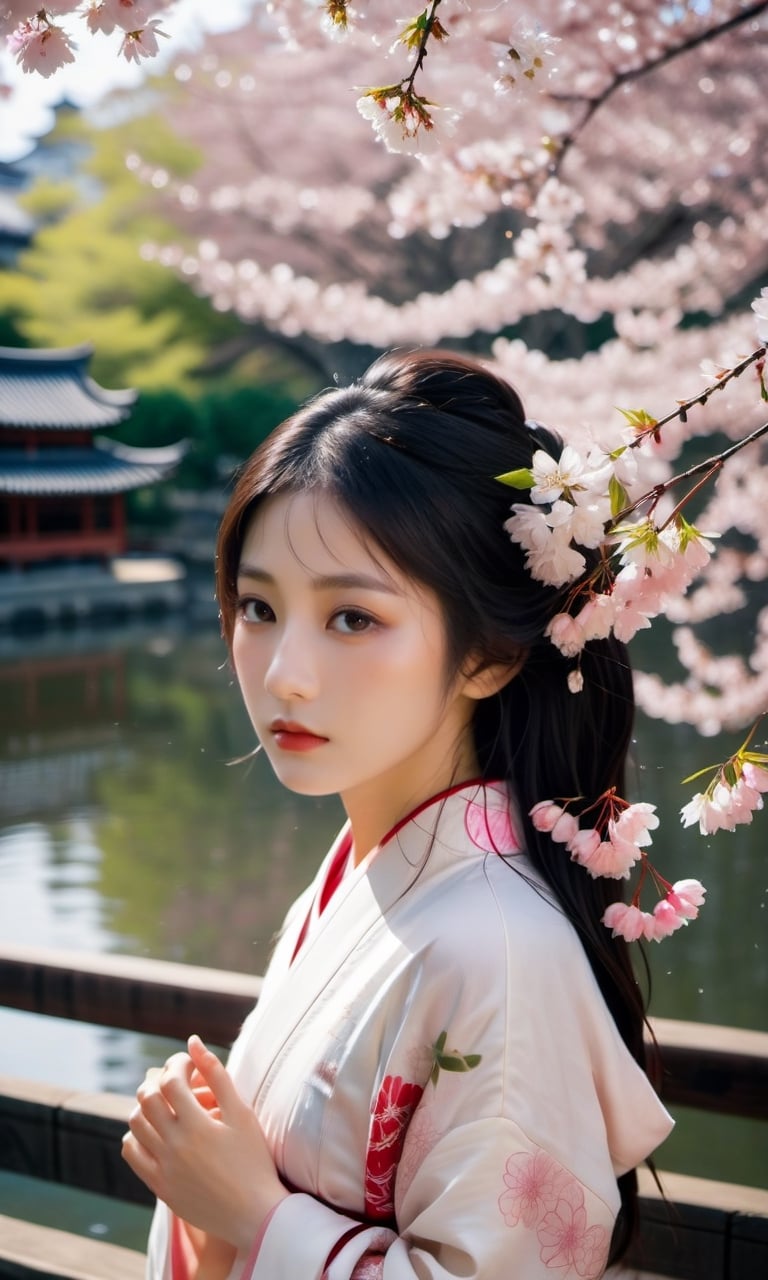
column 200, row 1148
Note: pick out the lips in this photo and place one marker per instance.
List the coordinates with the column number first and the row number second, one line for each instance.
column 291, row 736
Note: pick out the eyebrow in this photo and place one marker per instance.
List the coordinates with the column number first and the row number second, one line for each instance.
column 326, row 581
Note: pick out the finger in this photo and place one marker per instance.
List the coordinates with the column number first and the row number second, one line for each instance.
column 140, row 1160
column 156, row 1111
column 175, row 1087
column 150, row 1083
column 206, row 1098
column 215, row 1075
column 179, row 1064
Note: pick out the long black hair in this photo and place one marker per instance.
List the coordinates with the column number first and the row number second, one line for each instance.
column 411, row 452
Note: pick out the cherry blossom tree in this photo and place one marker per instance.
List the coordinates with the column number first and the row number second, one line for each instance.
column 577, row 192
column 43, row 38
column 596, row 174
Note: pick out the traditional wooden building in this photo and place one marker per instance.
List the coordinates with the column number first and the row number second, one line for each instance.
column 62, row 488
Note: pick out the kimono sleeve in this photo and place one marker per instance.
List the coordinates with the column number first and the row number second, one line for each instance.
column 484, row 1204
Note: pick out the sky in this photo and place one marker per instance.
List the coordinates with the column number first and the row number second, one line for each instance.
column 27, row 113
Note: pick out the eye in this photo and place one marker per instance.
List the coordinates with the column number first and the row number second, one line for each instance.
column 352, row 622
column 255, row 611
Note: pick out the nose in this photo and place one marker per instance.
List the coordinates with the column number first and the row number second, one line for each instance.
column 292, row 669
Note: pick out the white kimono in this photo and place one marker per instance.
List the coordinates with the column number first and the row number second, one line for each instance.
column 437, row 1075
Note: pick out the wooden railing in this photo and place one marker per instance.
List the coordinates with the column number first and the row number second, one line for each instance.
column 703, row 1231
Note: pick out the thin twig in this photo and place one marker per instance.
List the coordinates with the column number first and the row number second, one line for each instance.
column 624, row 77
column 711, row 465
column 685, row 405
column 421, row 53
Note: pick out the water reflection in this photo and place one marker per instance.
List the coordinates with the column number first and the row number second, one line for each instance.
column 123, row 827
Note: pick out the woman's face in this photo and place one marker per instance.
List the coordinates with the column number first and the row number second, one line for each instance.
column 341, row 660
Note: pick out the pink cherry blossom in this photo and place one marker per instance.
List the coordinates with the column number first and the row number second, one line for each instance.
column 744, row 801
column 553, row 477
column 566, row 634
column 629, row 620
column 756, row 776
column 39, row 46
column 597, row 616
column 555, row 562
column 575, row 680
column 142, row 43
column 105, row 15
column 634, row 823
column 584, row 844
column 625, row 921
column 686, row 896
column 722, row 807
column 703, row 810
column 561, row 825
column 664, row 921
column 588, row 520
column 583, row 524
column 528, row 526
column 612, row 858
column 697, row 552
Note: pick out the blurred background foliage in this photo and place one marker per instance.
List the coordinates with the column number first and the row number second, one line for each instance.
column 203, row 375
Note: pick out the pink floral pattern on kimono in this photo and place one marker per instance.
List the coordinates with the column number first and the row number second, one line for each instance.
column 490, row 828
column 547, row 1199
column 422, row 1136
column 390, row 1115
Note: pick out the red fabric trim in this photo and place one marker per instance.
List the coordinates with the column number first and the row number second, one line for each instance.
column 333, row 879
column 441, row 795
column 335, row 873
column 179, row 1269
column 340, row 1243
column 254, row 1253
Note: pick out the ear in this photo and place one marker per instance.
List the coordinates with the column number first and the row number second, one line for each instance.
column 484, row 679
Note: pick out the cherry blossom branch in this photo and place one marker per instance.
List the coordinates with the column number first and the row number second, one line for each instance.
column 735, row 791
column 612, row 848
column 593, row 105
column 710, row 465
column 400, row 116
column 427, row 25
column 653, row 425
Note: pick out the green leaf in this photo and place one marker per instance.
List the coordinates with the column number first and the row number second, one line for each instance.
column 731, row 773
column 699, row 774
column 435, row 1074
column 520, row 479
column 449, row 1063
column 618, row 495
column 638, row 418
column 472, row 1060
column 439, row 1044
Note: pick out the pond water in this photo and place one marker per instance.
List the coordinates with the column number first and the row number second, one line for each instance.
column 124, row 827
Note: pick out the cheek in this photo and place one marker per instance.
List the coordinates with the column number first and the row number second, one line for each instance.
column 407, row 694
column 236, row 656
column 247, row 663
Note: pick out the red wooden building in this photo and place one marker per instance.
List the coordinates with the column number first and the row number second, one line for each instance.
column 62, row 488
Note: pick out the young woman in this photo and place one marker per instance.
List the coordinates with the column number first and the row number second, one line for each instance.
column 444, row 1074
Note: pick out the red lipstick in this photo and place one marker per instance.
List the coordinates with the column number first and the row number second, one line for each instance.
column 291, row 736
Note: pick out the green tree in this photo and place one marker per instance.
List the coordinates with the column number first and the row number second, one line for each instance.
column 84, row 279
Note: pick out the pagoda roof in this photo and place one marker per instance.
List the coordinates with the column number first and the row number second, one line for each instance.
column 108, row 468
column 52, row 389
